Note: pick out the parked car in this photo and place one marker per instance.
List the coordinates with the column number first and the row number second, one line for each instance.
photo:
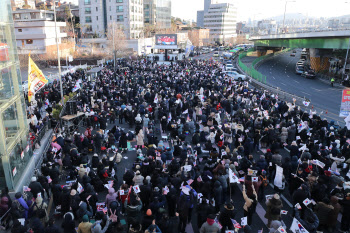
column 308, row 74
column 236, row 76
column 299, row 69
column 229, row 66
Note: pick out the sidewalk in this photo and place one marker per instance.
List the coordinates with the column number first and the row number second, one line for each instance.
column 328, row 81
column 34, row 161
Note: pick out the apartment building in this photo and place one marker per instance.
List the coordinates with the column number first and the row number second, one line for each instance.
column 35, row 33
column 157, row 12
column 18, row 4
column 221, row 19
column 96, row 15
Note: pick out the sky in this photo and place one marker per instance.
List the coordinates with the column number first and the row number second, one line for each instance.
column 263, row 9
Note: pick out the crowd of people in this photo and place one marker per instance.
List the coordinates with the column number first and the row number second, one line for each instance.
column 199, row 137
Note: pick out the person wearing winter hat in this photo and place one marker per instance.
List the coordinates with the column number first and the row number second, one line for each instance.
column 138, row 178
column 273, row 210
column 85, row 225
column 226, row 215
column 147, row 219
column 210, row 225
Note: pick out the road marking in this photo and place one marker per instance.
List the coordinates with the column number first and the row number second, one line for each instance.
column 315, row 89
column 270, row 72
column 283, row 84
column 287, row 75
column 305, row 93
column 296, row 81
column 283, row 197
column 273, row 77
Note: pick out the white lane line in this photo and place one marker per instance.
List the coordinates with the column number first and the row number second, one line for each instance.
column 273, row 77
column 287, row 75
column 296, row 81
column 315, row 89
column 305, row 93
column 283, row 197
column 283, row 84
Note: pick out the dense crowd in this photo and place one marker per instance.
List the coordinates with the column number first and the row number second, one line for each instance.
column 199, row 137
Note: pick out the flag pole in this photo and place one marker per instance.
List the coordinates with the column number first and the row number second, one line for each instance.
column 58, row 54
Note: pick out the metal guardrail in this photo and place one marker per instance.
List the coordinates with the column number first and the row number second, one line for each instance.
column 302, row 31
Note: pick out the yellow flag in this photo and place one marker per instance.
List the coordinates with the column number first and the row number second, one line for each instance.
column 36, row 79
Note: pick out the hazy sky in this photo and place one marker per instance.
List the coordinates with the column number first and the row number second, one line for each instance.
column 187, row 9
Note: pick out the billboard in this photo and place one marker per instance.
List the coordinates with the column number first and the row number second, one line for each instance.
column 166, row 39
column 345, row 104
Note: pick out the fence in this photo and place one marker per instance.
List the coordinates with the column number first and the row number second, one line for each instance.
column 251, row 71
column 51, row 78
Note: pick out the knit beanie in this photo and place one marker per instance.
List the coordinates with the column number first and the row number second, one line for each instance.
column 85, row 218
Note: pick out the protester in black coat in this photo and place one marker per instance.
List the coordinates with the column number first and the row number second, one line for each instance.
column 35, row 187
column 225, row 217
column 68, row 223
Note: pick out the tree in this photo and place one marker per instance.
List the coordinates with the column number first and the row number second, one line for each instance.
column 116, row 40
column 26, row 6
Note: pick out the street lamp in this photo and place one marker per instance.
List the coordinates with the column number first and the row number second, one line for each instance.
column 58, row 53
column 347, row 53
column 285, row 9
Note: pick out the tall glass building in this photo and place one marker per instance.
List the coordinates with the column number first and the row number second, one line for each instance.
column 15, row 152
column 157, row 12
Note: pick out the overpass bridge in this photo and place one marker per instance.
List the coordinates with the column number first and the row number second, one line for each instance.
column 319, row 43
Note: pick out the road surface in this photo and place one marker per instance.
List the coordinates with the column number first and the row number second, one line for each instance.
column 280, row 72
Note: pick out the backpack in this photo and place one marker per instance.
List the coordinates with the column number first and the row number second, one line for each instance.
column 265, row 182
column 40, row 212
column 95, row 118
column 74, row 204
column 275, row 211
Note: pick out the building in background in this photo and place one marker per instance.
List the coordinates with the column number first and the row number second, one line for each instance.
column 19, row 4
column 16, row 160
column 267, row 26
column 200, row 19
column 221, row 19
column 35, row 33
column 199, row 37
column 96, row 15
column 200, row 14
column 158, row 13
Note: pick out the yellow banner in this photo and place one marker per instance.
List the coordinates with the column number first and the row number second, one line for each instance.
column 36, row 79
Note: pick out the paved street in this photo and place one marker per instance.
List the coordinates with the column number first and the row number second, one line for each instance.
column 280, row 72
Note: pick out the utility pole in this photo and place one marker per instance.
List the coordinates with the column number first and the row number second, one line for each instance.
column 346, row 58
column 58, row 54
column 113, row 43
column 284, row 15
column 71, row 20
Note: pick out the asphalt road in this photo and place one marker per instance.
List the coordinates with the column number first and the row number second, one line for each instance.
column 280, row 72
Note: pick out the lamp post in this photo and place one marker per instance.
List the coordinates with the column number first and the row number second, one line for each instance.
column 71, row 20
column 285, row 9
column 346, row 57
column 58, row 54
